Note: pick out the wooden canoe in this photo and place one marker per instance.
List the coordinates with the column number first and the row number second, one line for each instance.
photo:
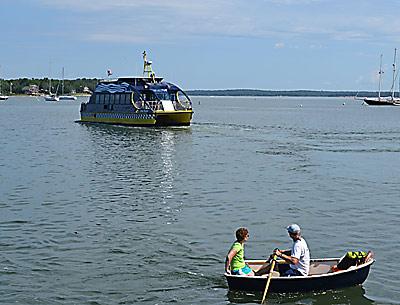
column 320, row 277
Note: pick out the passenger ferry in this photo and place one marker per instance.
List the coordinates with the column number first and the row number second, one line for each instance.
column 139, row 101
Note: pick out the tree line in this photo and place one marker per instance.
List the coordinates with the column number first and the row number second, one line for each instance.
column 21, row 85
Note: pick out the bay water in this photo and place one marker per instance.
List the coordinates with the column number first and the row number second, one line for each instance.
column 99, row 214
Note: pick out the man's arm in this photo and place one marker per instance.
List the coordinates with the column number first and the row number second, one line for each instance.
column 291, row 259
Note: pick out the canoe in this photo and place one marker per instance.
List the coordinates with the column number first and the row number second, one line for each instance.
column 320, row 277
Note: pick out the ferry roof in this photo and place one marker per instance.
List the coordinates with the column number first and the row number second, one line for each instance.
column 128, row 84
column 133, row 78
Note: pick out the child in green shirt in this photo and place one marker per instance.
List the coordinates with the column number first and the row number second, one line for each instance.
column 234, row 262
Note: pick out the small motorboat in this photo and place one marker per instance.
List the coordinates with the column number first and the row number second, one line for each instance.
column 320, row 278
column 67, row 98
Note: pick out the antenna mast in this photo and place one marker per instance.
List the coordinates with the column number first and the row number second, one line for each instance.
column 147, row 70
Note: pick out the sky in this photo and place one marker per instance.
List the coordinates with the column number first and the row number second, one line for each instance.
column 205, row 44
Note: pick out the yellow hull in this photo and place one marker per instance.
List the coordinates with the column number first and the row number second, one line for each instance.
column 160, row 118
column 174, row 118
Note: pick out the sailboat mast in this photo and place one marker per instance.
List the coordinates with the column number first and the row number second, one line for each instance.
column 50, row 77
column 394, row 72
column 62, row 87
column 380, row 78
column 0, row 80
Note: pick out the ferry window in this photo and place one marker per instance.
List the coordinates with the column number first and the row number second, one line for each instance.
column 106, row 98
column 101, row 98
column 128, row 98
column 148, row 96
column 173, row 96
column 183, row 100
column 138, row 98
column 112, row 96
column 97, row 98
column 117, row 98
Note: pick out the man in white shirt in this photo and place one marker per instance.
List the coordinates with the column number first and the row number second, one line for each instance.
column 299, row 257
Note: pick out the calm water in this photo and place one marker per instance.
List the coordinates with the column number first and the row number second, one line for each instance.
column 118, row 215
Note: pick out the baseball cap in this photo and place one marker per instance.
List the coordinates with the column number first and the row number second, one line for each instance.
column 293, row 228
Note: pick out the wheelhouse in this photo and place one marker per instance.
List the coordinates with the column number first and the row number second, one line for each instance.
column 141, row 95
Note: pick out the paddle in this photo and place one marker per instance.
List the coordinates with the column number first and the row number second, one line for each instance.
column 269, row 278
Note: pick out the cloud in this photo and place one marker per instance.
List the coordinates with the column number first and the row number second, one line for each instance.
column 110, row 36
column 294, row 2
column 279, row 45
column 156, row 20
column 160, row 20
column 134, row 5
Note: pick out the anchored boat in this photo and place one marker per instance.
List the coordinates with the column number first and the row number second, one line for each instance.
column 51, row 97
column 385, row 100
column 2, row 97
column 320, row 277
column 64, row 97
column 141, row 101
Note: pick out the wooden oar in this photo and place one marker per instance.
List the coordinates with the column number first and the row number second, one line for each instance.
column 269, row 278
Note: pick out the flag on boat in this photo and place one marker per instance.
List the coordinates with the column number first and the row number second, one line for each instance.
column 109, row 72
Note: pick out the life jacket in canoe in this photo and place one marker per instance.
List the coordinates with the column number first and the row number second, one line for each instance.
column 352, row 258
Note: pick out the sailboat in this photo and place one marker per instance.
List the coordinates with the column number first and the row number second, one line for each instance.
column 386, row 100
column 2, row 97
column 62, row 96
column 51, row 97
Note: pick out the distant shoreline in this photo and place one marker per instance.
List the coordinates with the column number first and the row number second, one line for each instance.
column 259, row 93
column 83, row 85
column 41, row 95
column 284, row 93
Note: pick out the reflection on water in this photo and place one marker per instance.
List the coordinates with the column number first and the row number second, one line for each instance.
column 167, row 153
column 353, row 295
column 145, row 160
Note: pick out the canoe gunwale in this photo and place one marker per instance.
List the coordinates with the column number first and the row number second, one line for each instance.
column 286, row 278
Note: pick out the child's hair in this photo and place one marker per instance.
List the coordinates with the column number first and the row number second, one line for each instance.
column 241, row 234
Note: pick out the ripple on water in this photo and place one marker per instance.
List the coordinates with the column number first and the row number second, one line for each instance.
column 119, row 215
